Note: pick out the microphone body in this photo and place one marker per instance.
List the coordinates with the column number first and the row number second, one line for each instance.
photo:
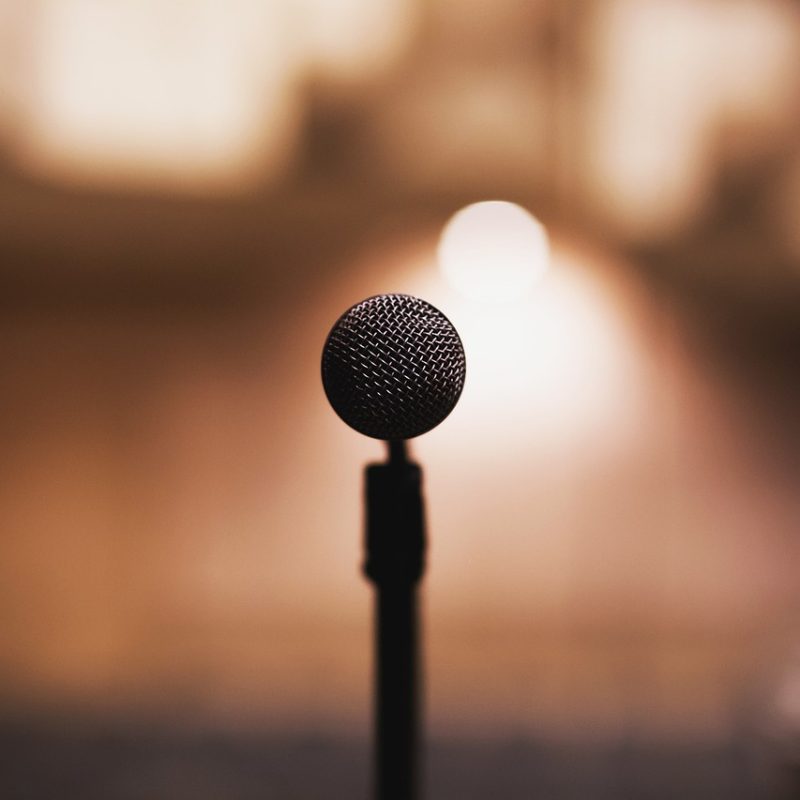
column 393, row 368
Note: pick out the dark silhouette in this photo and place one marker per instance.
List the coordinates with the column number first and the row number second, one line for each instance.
column 393, row 368
column 395, row 561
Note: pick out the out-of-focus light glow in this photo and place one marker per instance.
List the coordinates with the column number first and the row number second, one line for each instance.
column 493, row 251
column 677, row 85
column 184, row 96
column 559, row 363
column 143, row 92
column 561, row 366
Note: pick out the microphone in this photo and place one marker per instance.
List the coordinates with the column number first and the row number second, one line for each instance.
column 393, row 368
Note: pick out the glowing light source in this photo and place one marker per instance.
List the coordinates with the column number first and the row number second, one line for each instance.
column 188, row 97
column 671, row 80
column 185, row 97
column 493, row 251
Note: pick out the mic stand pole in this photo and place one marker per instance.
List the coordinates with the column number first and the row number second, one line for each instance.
column 395, row 555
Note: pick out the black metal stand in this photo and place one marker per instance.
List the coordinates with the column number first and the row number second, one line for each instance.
column 395, row 553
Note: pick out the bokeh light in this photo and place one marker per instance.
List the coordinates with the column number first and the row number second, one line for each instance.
column 493, row 251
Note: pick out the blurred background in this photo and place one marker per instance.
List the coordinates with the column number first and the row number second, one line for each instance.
column 190, row 195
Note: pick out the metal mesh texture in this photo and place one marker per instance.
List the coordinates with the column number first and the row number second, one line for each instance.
column 393, row 367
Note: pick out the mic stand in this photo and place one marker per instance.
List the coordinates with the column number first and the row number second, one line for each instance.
column 395, row 554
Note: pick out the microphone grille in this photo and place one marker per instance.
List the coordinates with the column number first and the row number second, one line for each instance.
column 393, row 367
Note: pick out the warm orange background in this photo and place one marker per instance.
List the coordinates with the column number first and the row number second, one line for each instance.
column 612, row 506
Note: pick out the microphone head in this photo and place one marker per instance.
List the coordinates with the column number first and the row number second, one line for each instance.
column 393, row 367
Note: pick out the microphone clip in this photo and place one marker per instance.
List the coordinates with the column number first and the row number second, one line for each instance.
column 395, row 526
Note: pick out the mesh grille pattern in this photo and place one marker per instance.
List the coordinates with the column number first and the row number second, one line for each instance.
column 393, row 367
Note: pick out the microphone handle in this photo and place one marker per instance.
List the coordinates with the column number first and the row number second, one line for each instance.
column 395, row 552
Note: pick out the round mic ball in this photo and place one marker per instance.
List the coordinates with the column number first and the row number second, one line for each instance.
column 393, row 367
